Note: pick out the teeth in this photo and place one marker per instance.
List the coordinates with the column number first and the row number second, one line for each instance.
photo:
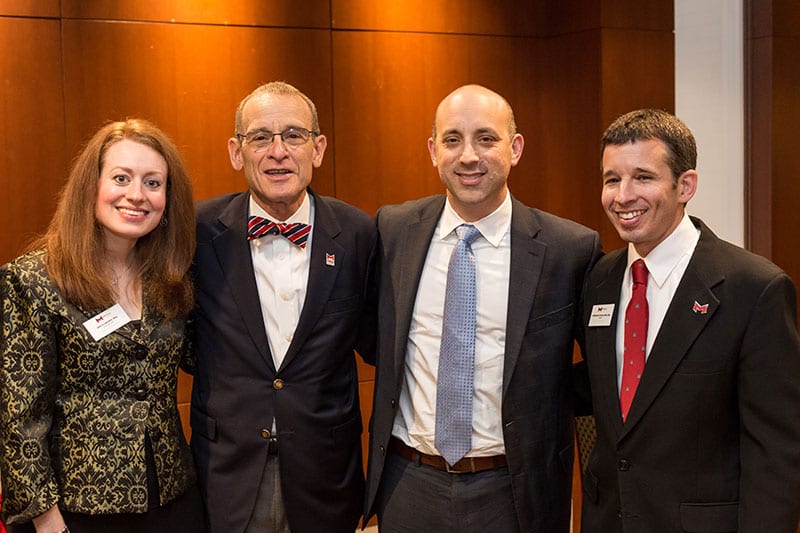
column 131, row 212
column 280, row 171
column 631, row 214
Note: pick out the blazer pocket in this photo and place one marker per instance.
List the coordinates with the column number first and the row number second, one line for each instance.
column 702, row 366
column 552, row 318
column 717, row 517
column 347, row 432
column 202, row 424
column 341, row 305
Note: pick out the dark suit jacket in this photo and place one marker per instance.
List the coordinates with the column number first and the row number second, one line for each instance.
column 313, row 397
column 712, row 441
column 75, row 411
column 550, row 257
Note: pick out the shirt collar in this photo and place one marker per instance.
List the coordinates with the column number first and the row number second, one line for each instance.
column 493, row 226
column 302, row 215
column 663, row 259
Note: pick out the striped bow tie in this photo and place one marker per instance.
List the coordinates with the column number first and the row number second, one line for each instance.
column 296, row 232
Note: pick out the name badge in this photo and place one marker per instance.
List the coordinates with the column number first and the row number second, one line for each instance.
column 601, row 315
column 107, row 322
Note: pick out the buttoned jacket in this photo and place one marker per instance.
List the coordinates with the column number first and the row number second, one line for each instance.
column 75, row 411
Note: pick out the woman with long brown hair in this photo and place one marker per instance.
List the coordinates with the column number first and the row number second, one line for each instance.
column 93, row 332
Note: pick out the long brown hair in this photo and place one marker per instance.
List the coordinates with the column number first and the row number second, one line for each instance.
column 74, row 238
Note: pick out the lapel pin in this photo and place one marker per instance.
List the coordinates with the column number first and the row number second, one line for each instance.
column 330, row 260
column 702, row 309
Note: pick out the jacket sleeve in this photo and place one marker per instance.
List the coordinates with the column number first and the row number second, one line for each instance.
column 769, row 407
column 28, row 363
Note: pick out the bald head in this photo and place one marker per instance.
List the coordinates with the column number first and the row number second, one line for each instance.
column 475, row 97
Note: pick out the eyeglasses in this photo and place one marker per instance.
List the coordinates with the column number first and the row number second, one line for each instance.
column 260, row 139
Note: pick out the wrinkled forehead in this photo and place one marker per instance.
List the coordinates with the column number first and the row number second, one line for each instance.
column 271, row 111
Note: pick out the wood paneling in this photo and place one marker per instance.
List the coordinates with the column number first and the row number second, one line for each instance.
column 31, row 130
column 773, row 112
column 29, row 8
column 188, row 80
column 282, row 13
column 382, row 127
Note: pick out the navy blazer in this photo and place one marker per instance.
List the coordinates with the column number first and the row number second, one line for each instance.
column 712, row 440
column 313, row 397
column 550, row 258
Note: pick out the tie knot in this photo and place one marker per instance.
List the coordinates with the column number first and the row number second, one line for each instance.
column 639, row 272
column 467, row 233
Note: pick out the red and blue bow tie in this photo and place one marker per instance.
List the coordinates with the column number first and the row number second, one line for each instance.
column 296, row 232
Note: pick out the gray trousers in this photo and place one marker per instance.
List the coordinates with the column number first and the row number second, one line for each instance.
column 269, row 513
column 420, row 498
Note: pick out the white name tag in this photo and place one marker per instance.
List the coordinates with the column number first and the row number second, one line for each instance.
column 601, row 315
column 107, row 322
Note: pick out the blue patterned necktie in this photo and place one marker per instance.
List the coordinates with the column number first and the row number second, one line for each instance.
column 457, row 353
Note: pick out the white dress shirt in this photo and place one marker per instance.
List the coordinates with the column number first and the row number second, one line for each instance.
column 415, row 422
column 666, row 263
column 281, row 270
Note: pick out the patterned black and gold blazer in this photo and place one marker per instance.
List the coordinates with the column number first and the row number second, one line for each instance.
column 74, row 411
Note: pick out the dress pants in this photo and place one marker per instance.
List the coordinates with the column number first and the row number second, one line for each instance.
column 417, row 498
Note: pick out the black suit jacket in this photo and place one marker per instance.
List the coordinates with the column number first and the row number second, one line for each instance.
column 550, row 257
column 313, row 397
column 712, row 440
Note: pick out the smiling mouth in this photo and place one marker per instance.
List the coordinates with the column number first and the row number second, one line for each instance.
column 132, row 212
column 630, row 215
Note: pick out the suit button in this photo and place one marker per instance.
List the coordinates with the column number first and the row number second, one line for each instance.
column 624, row 465
column 277, row 384
column 619, row 514
column 265, row 434
column 393, row 402
column 141, row 354
column 140, row 394
column 383, row 450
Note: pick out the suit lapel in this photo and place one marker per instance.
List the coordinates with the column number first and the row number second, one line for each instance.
column 233, row 254
column 321, row 275
column 415, row 239
column 604, row 339
column 527, row 261
column 682, row 324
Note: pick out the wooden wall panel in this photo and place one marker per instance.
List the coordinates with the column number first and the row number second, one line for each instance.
column 785, row 227
column 386, row 89
column 188, row 80
column 31, row 130
column 29, row 8
column 283, row 13
column 488, row 17
column 773, row 112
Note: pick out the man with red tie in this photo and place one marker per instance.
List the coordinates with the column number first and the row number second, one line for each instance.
column 695, row 373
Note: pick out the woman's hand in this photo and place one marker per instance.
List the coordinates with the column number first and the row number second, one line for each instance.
column 49, row 521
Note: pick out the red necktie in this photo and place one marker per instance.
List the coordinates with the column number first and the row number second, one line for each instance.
column 295, row 232
column 636, row 318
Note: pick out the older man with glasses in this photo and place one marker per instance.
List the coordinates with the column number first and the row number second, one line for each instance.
column 281, row 279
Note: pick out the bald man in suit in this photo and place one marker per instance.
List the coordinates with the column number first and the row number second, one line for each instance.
column 698, row 406
column 530, row 266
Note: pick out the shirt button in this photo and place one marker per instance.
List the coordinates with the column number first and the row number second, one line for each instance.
column 265, row 434
column 277, row 384
column 288, row 338
column 286, row 296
